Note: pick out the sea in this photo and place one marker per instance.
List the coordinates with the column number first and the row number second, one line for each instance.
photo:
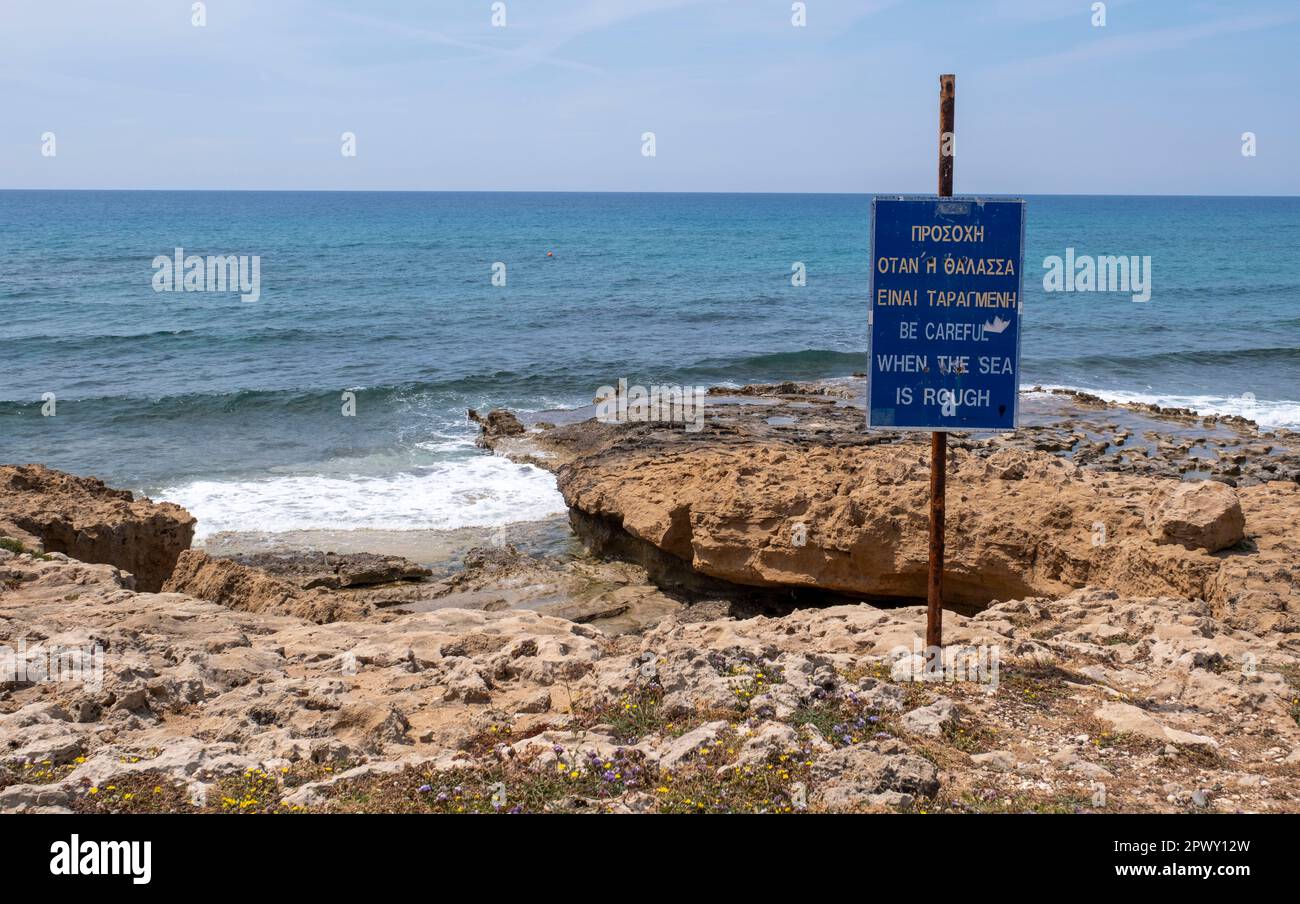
column 337, row 400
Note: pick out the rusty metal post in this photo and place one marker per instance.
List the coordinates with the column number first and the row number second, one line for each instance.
column 938, row 439
column 947, row 117
column 934, row 590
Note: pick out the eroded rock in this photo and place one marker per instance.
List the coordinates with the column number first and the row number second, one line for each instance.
column 1203, row 515
column 228, row 583
column 83, row 518
column 879, row 773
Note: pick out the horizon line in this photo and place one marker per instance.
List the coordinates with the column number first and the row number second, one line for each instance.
column 495, row 191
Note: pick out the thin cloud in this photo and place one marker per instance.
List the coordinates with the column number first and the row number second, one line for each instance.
column 557, row 30
column 528, row 54
column 1050, row 10
column 1143, row 42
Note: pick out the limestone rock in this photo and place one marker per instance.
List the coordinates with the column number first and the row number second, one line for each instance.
column 83, row 518
column 497, row 423
column 852, row 519
column 335, row 571
column 193, row 689
column 782, row 491
column 1124, row 717
column 242, row 587
column 688, row 744
column 537, row 702
column 768, row 738
column 1202, row 515
column 371, row 724
column 997, row 760
column 930, row 720
column 876, row 773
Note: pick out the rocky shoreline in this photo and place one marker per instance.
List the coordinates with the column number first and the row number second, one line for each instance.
column 744, row 635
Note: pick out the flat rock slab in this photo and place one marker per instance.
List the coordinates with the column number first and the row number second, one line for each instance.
column 334, row 571
column 1086, row 494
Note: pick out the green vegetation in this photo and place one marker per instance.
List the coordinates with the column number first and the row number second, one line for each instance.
column 17, row 548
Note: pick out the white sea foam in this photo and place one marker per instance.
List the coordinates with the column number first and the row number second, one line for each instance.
column 482, row 491
column 1265, row 412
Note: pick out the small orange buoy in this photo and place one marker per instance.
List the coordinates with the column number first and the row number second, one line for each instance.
column 550, row 254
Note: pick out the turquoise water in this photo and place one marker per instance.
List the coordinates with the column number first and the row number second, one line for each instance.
column 235, row 408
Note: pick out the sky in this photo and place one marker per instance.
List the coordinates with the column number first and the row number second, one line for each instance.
column 738, row 97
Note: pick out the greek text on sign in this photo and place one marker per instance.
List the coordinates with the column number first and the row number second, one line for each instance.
column 944, row 321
